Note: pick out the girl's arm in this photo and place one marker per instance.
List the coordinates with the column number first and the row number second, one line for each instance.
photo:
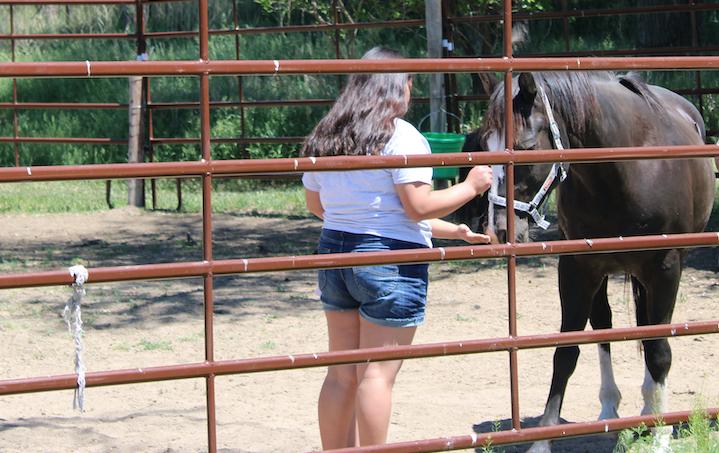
column 314, row 205
column 421, row 202
column 446, row 230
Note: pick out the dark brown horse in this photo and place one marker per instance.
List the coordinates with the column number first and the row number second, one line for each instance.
column 612, row 199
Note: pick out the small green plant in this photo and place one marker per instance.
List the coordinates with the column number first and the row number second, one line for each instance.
column 147, row 345
column 124, row 347
column 269, row 318
column 269, row 345
column 487, row 447
column 633, row 440
column 699, row 435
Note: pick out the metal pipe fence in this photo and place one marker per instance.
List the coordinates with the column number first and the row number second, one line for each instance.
column 208, row 169
column 141, row 36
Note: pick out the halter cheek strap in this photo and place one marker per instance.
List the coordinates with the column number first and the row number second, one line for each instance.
column 532, row 208
column 556, row 137
column 557, row 171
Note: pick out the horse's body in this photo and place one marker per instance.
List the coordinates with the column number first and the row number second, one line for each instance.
column 611, row 199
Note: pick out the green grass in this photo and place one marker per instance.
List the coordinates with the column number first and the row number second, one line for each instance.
column 89, row 196
column 147, row 345
column 227, row 197
column 699, row 435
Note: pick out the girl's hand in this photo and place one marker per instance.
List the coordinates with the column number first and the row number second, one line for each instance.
column 467, row 235
column 480, row 178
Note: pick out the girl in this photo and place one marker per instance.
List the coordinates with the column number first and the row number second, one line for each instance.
column 373, row 210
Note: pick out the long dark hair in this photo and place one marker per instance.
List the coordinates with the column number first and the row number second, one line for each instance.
column 362, row 119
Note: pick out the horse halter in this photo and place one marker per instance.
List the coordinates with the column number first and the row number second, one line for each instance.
column 557, row 171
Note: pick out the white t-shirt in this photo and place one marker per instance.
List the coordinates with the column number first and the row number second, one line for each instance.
column 365, row 201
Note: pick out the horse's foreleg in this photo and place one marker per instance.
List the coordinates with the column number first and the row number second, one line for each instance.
column 655, row 402
column 577, row 290
column 654, row 394
column 601, row 318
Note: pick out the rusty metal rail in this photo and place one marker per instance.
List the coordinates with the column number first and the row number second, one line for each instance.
column 526, row 434
column 306, row 262
column 321, row 359
column 208, row 169
column 348, row 66
column 292, row 165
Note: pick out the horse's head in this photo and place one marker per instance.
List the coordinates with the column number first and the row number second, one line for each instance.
column 532, row 126
column 532, row 130
column 477, row 214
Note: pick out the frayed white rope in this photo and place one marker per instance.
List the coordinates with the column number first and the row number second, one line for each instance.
column 73, row 319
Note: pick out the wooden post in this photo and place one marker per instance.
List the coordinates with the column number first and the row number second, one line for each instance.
column 437, row 120
column 135, row 151
column 136, row 135
column 433, row 20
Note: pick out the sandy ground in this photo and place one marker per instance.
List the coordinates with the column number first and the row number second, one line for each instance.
column 152, row 323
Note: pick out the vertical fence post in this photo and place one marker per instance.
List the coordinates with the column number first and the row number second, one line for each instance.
column 453, row 118
column 207, row 226
column 135, row 187
column 15, row 123
column 243, row 154
column 433, row 20
column 336, row 38
column 697, row 74
column 135, row 138
column 512, row 259
column 437, row 120
column 565, row 26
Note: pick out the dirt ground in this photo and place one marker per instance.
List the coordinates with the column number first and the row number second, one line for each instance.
column 152, row 323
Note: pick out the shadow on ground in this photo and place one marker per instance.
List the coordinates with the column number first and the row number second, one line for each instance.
column 600, row 443
column 130, row 238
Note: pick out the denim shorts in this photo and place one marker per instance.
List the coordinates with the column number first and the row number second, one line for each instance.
column 390, row 295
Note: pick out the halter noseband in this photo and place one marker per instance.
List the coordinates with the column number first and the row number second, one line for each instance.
column 557, row 171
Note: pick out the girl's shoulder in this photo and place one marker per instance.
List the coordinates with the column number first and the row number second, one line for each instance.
column 405, row 128
column 406, row 140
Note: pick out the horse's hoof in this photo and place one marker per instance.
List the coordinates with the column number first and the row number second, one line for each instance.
column 540, row 447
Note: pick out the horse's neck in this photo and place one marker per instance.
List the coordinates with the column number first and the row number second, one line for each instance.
column 618, row 122
column 614, row 125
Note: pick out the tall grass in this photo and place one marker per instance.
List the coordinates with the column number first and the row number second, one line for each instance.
column 544, row 36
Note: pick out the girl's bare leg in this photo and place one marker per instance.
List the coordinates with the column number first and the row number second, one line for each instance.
column 336, row 405
column 375, row 381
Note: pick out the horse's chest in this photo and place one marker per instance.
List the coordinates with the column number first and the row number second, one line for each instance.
column 585, row 215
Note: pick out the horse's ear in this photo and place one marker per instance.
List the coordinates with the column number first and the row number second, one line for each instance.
column 527, row 87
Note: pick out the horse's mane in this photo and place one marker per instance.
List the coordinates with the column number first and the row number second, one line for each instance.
column 572, row 95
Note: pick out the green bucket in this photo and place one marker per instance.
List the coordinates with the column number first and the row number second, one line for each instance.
column 444, row 142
